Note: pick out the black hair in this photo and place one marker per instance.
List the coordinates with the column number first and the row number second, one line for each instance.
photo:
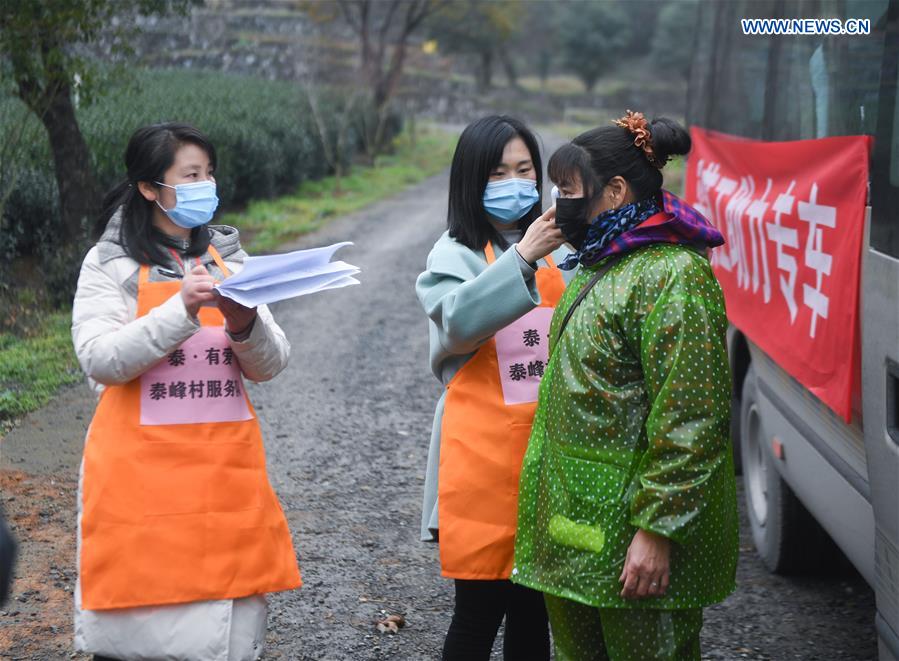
column 605, row 152
column 150, row 152
column 479, row 151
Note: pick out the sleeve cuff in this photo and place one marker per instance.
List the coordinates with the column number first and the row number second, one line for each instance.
column 669, row 527
column 253, row 337
column 175, row 315
column 244, row 335
column 527, row 270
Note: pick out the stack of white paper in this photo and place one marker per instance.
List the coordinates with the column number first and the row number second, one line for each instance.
column 273, row 278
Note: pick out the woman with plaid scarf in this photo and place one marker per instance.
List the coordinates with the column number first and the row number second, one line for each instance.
column 627, row 515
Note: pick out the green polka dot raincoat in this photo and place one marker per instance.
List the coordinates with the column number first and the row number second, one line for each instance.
column 632, row 431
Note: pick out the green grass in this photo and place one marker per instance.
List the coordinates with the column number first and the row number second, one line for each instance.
column 267, row 224
column 33, row 368
column 578, row 120
column 612, row 84
column 561, row 85
column 574, row 123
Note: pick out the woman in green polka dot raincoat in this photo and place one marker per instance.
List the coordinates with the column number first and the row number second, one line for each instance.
column 627, row 514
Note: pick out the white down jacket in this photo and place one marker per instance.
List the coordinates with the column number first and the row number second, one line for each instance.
column 114, row 347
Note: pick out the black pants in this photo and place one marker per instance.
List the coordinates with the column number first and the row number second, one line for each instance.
column 479, row 610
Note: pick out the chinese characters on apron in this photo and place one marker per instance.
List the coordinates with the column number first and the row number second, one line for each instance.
column 203, row 371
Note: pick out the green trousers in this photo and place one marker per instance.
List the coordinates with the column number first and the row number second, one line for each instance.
column 584, row 633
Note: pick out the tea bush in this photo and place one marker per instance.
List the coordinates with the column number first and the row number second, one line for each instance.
column 263, row 131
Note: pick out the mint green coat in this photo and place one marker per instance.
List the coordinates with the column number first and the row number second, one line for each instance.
column 467, row 301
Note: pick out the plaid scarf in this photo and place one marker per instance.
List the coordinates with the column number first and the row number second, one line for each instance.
column 683, row 225
column 608, row 226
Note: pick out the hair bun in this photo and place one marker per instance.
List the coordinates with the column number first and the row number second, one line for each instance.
column 668, row 139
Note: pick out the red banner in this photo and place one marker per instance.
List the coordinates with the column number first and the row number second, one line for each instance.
column 793, row 217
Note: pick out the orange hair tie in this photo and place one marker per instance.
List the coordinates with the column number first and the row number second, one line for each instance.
column 636, row 123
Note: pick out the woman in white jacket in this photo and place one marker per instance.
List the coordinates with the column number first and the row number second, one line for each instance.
column 180, row 534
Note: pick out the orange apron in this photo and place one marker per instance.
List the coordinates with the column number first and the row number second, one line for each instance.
column 488, row 412
column 176, row 505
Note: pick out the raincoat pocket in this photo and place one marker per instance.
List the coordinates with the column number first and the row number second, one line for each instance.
column 589, row 510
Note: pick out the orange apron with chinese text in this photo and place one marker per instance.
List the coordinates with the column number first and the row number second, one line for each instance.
column 488, row 412
column 176, row 505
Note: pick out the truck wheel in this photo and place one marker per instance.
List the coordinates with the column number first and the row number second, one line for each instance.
column 786, row 536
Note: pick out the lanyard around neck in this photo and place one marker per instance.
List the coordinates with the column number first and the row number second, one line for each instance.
column 181, row 261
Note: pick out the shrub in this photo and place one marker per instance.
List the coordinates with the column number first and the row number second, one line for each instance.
column 266, row 139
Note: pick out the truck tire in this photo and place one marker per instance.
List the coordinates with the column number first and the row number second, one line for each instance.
column 786, row 536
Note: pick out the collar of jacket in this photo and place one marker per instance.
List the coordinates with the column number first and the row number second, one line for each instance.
column 224, row 238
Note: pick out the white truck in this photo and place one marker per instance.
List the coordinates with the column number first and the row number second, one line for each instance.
column 808, row 474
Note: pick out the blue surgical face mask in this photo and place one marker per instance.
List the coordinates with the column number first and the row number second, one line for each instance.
column 194, row 204
column 510, row 199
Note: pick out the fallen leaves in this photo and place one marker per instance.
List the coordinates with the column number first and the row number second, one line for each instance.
column 391, row 624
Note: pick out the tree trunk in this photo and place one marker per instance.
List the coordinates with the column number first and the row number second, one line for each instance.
column 485, row 70
column 338, row 178
column 383, row 84
column 385, row 90
column 544, row 62
column 380, row 128
column 79, row 195
column 509, row 66
column 413, row 128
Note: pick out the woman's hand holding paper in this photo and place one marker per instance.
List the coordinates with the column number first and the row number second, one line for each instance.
column 237, row 317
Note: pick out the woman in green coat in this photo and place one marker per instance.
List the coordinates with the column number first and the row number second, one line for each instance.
column 627, row 509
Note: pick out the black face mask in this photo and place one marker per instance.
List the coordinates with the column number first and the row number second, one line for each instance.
column 571, row 218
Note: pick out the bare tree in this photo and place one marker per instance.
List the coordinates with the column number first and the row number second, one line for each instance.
column 334, row 143
column 483, row 30
column 384, row 28
column 333, row 109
